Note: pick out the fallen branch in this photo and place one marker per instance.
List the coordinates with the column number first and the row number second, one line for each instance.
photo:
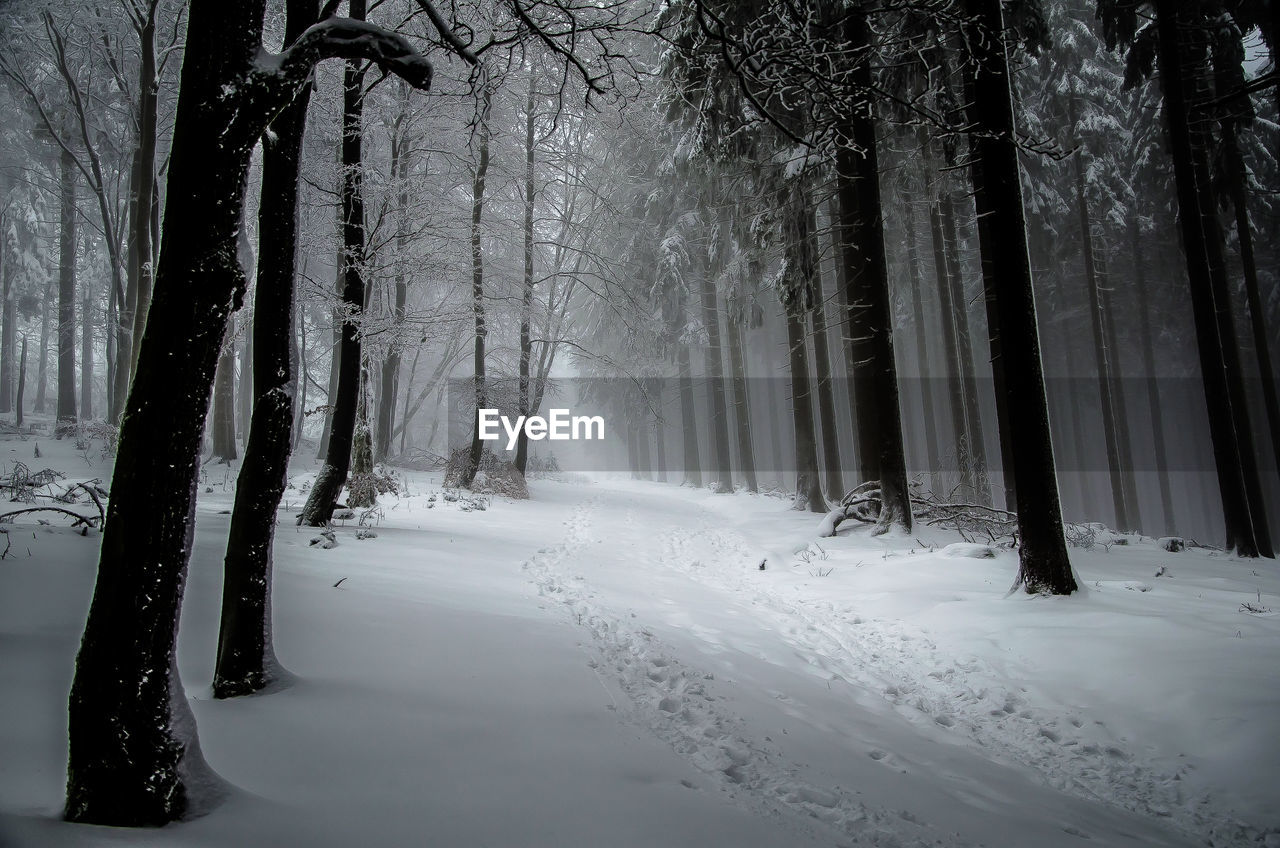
column 86, row 520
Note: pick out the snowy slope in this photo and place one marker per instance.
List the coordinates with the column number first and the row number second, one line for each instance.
column 607, row 665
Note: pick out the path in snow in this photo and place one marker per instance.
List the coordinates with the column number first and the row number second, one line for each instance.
column 744, row 682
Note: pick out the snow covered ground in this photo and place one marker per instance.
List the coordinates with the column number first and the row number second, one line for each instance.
column 608, row 665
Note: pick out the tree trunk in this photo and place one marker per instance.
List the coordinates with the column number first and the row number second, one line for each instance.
column 246, row 660
column 875, row 379
column 86, row 354
column 1124, row 445
column 391, row 365
column 144, row 205
column 318, row 509
column 1257, row 315
column 22, row 385
column 42, row 366
column 932, row 459
column 477, row 283
column 826, row 384
column 1102, row 356
column 1223, row 386
column 8, row 320
column 526, row 289
column 66, row 415
column 951, row 358
column 719, row 433
column 741, row 403
column 1153, row 382
column 797, row 295
column 688, row 416
column 1042, row 550
column 134, row 758
column 223, row 422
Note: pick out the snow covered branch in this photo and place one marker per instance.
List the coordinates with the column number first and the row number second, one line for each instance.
column 344, row 38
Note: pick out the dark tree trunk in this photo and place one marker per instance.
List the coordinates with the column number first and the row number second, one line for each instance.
column 244, row 385
column 8, row 320
column 42, row 366
column 1042, row 550
column 797, row 294
column 223, row 423
column 477, row 283
column 741, row 403
column 974, row 455
column 133, row 754
column 1257, row 315
column 875, row 378
column 1211, row 308
column 143, row 205
column 391, row 365
column 719, row 433
column 932, row 459
column 1153, row 382
column 66, row 416
column 1102, row 354
column 688, row 416
column 246, row 656
column 335, row 359
column 951, row 357
column 1123, row 443
column 526, row 290
column 22, row 384
column 332, row 476
column 826, row 384
column 86, row 354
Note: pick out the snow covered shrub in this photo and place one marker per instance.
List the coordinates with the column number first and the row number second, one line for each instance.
column 495, row 477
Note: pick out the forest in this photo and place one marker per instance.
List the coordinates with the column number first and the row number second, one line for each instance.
column 920, row 273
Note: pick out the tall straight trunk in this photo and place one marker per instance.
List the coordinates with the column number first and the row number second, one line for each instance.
column 741, row 403
column 8, row 320
column 826, row 383
column 19, row 399
column 86, row 354
column 246, row 660
column 1042, row 550
column 145, row 202
column 777, row 461
column 842, row 273
column 133, row 755
column 719, row 432
column 477, row 283
column 318, row 509
column 861, row 219
column 975, row 448
column 526, row 289
column 932, row 458
column 951, row 356
column 66, row 415
column 1215, row 337
column 298, row 353
column 391, row 365
column 335, row 357
column 1253, row 298
column 797, row 293
column 1152, row 381
column 42, row 366
column 244, row 383
column 688, row 417
column 1124, row 444
column 1102, row 355
column 223, row 423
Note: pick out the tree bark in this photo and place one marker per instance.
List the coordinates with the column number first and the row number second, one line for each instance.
column 688, row 416
column 526, row 289
column 1153, row 382
column 9, row 318
column 797, row 294
column 477, row 283
column 318, row 509
column 42, row 366
column 22, row 385
column 1211, row 308
column 246, row 660
column 932, row 459
column 1042, row 550
column 134, row 757
column 719, row 433
column 66, row 415
column 223, row 423
column 875, row 378
column 86, row 354
column 741, row 403
column 826, row 383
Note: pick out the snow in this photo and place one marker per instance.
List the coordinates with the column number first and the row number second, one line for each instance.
column 607, row 664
